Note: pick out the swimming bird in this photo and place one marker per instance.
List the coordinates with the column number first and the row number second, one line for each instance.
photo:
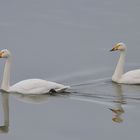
column 29, row 86
column 130, row 77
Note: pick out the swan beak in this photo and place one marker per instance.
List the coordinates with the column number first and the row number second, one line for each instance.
column 1, row 53
column 114, row 49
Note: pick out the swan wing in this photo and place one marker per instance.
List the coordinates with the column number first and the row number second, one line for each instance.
column 131, row 77
column 36, row 86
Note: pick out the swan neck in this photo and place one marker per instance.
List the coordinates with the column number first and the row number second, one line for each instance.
column 120, row 66
column 6, row 74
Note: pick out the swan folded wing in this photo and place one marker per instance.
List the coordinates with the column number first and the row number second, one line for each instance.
column 131, row 77
column 36, row 86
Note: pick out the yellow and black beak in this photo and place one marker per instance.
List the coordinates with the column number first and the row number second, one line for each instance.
column 115, row 48
column 1, row 54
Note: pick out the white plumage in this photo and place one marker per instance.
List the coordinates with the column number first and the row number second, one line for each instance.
column 36, row 86
column 29, row 86
column 131, row 77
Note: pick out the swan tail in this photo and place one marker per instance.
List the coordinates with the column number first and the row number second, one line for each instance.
column 62, row 89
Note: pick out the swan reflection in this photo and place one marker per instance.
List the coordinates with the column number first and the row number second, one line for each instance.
column 35, row 99
column 5, row 105
column 30, row 98
column 119, row 101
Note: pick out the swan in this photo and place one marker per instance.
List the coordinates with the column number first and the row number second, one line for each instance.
column 130, row 77
column 29, row 86
column 5, row 105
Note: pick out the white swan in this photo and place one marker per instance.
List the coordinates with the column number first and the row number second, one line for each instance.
column 131, row 77
column 5, row 105
column 29, row 86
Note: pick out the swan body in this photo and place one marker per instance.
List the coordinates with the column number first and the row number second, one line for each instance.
column 131, row 77
column 36, row 86
column 29, row 86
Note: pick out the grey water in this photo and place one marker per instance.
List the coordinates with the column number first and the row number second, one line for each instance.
column 68, row 41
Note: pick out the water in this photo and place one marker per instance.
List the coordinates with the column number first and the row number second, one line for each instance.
column 69, row 42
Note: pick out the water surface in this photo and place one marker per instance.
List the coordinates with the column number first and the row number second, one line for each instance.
column 69, row 42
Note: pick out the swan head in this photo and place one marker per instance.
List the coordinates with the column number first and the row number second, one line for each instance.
column 5, row 53
column 119, row 47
